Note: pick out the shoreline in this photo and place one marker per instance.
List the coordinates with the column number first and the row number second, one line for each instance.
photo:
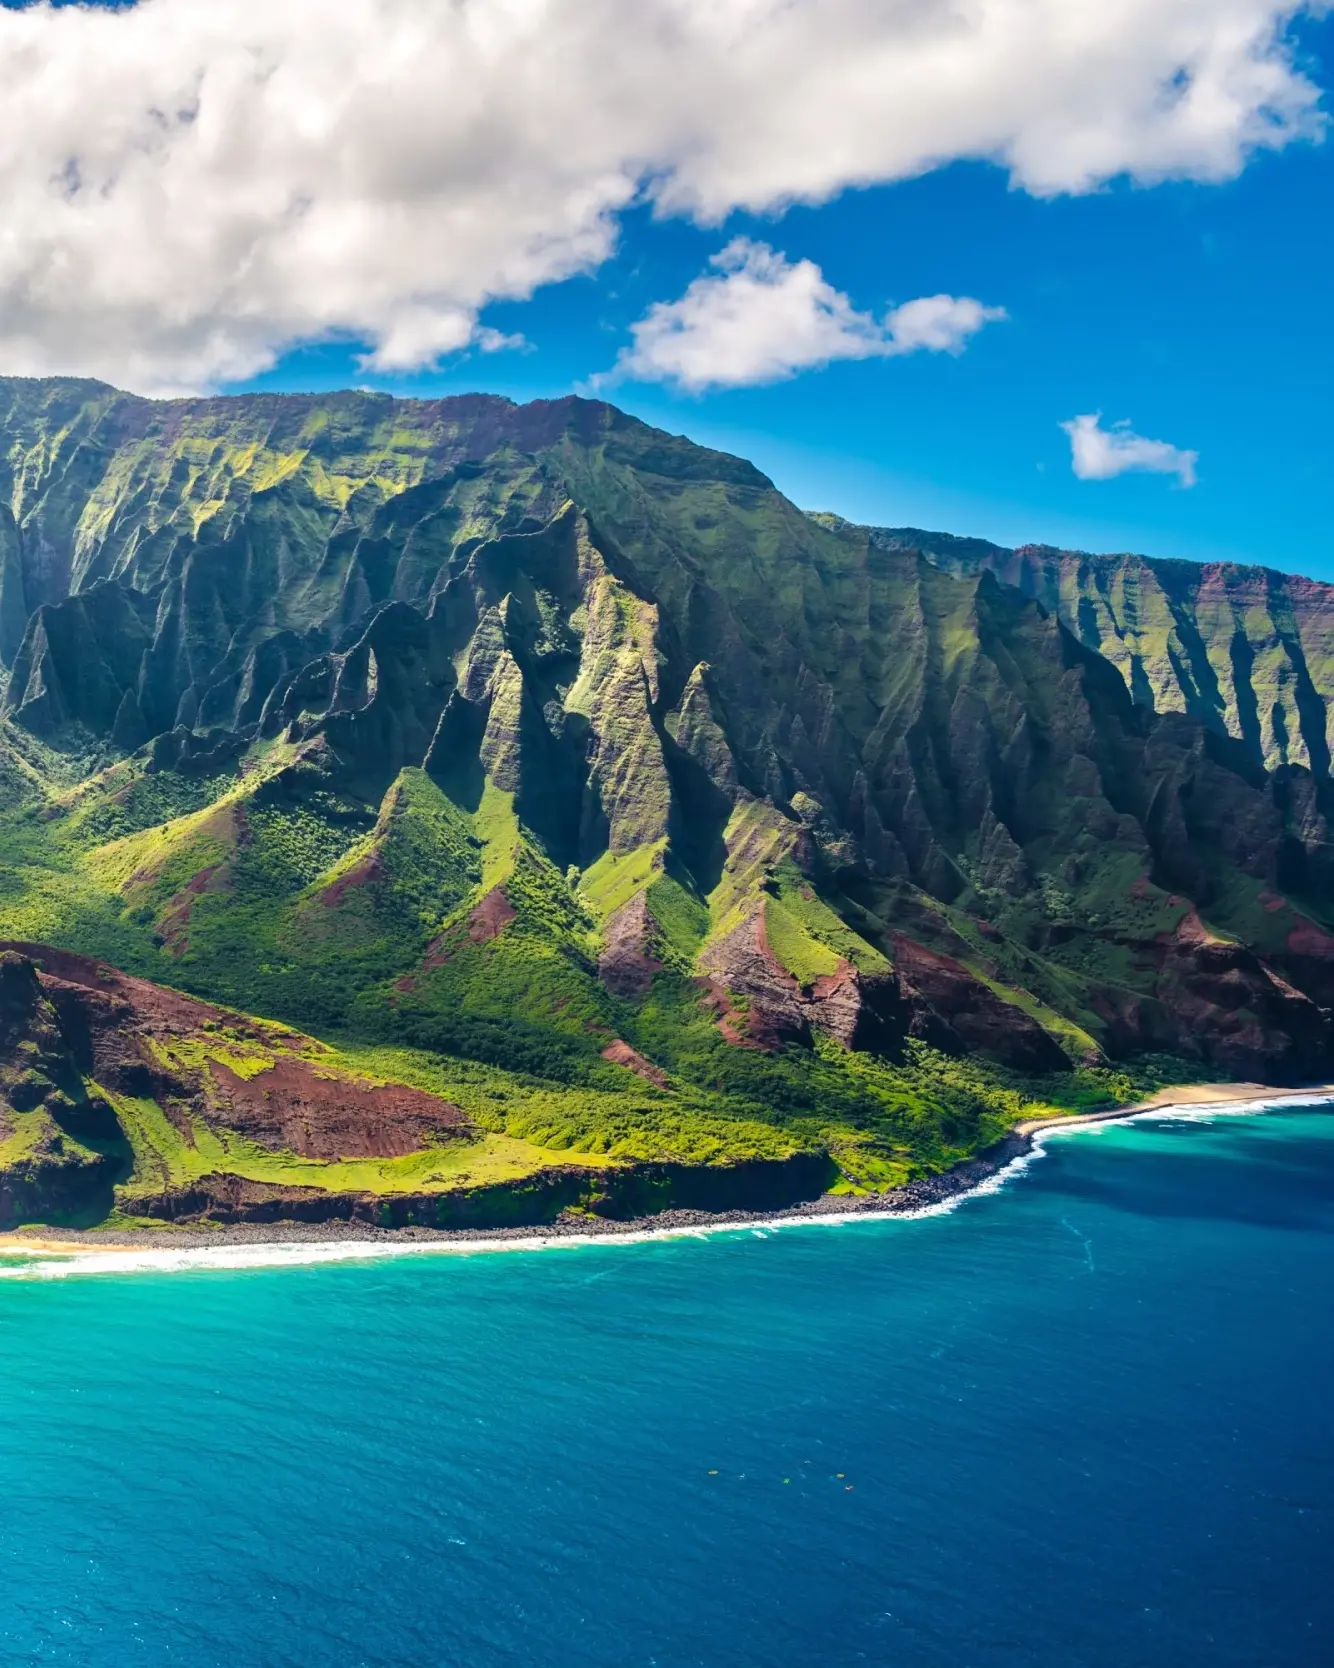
column 347, row 1240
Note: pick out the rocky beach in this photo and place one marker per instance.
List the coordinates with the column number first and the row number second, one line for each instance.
column 922, row 1194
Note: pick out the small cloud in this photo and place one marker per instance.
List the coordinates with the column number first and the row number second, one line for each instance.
column 418, row 338
column 760, row 317
column 1099, row 454
column 937, row 323
column 496, row 341
column 422, row 338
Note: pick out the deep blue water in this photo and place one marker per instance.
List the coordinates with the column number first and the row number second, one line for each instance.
column 1085, row 1422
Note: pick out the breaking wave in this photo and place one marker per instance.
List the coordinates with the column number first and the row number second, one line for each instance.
column 33, row 1263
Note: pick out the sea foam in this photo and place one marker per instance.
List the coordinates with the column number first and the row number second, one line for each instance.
column 37, row 1264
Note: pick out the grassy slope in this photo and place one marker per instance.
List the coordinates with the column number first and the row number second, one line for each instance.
column 360, row 934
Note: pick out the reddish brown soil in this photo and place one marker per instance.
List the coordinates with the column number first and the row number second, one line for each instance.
column 108, row 1017
column 490, row 917
column 742, row 964
column 778, row 1010
column 485, row 921
column 295, row 1108
column 175, row 923
column 621, row 1054
column 982, row 1021
column 1217, row 1002
column 1307, row 939
column 730, row 1024
column 365, row 873
column 928, row 995
column 216, row 877
column 627, row 963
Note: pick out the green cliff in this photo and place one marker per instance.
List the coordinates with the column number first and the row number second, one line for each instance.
column 1246, row 650
column 674, row 846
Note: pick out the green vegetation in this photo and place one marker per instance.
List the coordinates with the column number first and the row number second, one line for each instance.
column 164, row 1158
column 1246, row 651
column 565, row 771
column 682, row 922
column 807, row 936
column 616, row 878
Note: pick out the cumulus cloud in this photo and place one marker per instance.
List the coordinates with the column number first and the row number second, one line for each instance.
column 189, row 188
column 1099, row 454
column 761, row 317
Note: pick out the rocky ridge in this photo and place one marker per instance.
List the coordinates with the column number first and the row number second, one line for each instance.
column 534, row 738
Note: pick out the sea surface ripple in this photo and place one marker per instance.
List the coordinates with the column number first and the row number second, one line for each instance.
column 1082, row 1421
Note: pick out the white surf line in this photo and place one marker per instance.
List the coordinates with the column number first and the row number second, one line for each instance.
column 1182, row 1111
column 58, row 1265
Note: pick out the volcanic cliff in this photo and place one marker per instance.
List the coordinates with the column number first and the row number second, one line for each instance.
column 569, row 770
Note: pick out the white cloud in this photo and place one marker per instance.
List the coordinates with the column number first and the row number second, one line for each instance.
column 761, row 317
column 190, row 186
column 1099, row 454
column 938, row 323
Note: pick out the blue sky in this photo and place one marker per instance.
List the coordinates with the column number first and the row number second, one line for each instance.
column 1196, row 310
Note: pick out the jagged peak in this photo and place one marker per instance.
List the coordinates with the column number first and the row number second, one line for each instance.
column 597, row 642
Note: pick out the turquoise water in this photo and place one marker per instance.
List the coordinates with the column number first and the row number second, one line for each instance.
column 1085, row 1421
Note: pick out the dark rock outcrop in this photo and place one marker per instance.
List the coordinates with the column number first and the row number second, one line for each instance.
column 37, row 1068
column 623, row 1192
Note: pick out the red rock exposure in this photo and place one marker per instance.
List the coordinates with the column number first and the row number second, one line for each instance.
column 485, row 920
column 1307, row 959
column 928, row 996
column 732, row 1025
column 215, row 877
column 981, row 1021
column 490, row 917
column 176, row 922
column 364, row 873
column 776, row 1010
column 108, row 1019
column 860, row 1010
column 37, row 1068
column 1236, row 1012
column 294, row 1108
column 151, row 1009
column 621, row 1054
column 1215, row 1001
column 1307, row 939
column 627, row 963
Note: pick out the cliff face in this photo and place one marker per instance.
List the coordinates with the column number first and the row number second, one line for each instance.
column 535, row 738
column 1246, row 650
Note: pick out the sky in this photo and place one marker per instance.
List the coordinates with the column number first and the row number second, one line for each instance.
column 1036, row 270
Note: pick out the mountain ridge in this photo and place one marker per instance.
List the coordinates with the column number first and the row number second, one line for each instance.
column 633, row 810
column 1270, row 684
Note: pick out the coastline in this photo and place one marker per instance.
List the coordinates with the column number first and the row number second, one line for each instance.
column 1182, row 1097
column 142, row 1247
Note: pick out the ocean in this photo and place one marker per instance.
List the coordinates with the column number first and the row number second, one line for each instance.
column 1083, row 1421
